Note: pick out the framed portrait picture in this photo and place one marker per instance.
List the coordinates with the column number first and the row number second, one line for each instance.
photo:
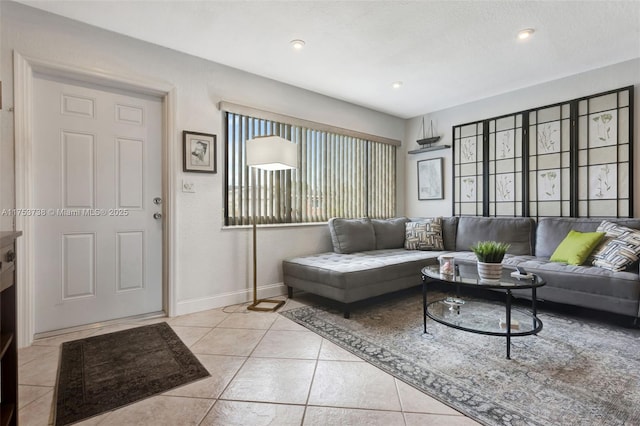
column 199, row 152
column 430, row 183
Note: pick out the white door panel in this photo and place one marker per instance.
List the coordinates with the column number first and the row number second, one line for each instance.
column 97, row 168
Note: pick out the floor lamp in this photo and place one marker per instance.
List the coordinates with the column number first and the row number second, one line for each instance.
column 267, row 153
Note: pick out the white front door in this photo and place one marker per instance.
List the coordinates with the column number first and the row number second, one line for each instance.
column 97, row 157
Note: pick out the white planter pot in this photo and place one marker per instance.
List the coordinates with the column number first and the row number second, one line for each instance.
column 489, row 271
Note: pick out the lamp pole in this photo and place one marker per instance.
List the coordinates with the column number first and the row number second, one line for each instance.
column 255, row 306
column 255, row 238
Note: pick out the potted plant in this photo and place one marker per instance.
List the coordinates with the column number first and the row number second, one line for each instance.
column 490, row 255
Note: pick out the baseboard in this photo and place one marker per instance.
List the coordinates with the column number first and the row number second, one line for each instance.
column 225, row 299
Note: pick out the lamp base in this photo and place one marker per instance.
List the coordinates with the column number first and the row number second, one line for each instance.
column 255, row 306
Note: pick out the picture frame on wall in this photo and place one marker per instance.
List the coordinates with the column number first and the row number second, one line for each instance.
column 430, row 179
column 199, row 152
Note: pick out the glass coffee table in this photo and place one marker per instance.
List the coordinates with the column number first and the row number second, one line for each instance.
column 478, row 316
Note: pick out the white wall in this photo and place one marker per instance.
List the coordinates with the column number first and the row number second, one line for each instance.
column 213, row 264
column 584, row 84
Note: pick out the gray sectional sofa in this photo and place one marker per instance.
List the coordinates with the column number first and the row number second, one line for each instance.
column 370, row 259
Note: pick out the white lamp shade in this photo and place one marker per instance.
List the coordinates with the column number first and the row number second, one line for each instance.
column 272, row 153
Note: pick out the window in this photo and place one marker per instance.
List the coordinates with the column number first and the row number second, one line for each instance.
column 339, row 175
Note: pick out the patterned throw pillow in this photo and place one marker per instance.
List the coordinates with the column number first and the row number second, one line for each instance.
column 424, row 235
column 621, row 249
column 611, row 230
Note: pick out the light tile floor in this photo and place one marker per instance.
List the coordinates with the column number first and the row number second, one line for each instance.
column 265, row 370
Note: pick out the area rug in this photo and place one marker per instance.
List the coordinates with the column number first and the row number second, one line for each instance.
column 101, row 373
column 574, row 372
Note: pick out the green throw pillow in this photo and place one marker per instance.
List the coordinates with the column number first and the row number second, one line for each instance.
column 576, row 247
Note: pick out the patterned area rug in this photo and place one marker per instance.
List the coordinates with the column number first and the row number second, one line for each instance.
column 575, row 372
column 100, row 373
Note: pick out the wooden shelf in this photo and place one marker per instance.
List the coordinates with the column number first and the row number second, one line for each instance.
column 429, row 149
column 7, row 411
column 5, row 342
column 8, row 344
column 6, row 279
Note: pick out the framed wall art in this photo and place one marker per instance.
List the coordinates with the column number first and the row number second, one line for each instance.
column 199, row 152
column 430, row 181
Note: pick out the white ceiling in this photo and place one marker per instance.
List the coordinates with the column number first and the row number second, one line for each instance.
column 445, row 52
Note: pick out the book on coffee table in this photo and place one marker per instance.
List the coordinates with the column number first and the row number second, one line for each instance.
column 515, row 324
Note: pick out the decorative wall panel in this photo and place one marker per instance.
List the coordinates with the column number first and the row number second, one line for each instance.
column 571, row 159
column 468, row 166
column 604, row 155
column 550, row 161
column 505, row 166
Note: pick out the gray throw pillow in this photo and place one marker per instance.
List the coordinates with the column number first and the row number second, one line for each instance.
column 390, row 233
column 352, row 235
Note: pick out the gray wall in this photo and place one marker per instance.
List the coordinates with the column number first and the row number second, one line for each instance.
column 584, row 84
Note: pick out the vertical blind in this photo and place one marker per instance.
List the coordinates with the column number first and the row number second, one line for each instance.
column 338, row 176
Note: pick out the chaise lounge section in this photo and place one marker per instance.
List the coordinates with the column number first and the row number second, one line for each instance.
column 371, row 258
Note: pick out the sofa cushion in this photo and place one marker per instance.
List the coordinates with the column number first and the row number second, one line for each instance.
column 576, row 247
column 449, row 231
column 352, row 235
column 620, row 251
column 517, row 231
column 360, row 269
column 552, row 230
column 424, row 235
column 585, row 279
column 389, row 233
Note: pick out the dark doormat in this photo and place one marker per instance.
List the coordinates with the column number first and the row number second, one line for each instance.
column 101, row 373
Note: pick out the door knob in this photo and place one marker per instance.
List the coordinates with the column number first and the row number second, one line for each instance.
column 157, row 215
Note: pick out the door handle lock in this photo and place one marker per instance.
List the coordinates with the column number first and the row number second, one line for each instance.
column 157, row 215
column 157, row 201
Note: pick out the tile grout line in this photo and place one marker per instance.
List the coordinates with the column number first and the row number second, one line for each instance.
column 395, row 383
column 215, row 400
column 235, row 374
column 313, row 377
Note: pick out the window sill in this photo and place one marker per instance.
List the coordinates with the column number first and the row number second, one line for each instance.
column 275, row 225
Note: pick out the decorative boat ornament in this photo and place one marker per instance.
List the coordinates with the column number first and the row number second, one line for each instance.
column 427, row 141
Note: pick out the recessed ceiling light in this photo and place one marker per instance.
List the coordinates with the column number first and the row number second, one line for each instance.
column 297, row 44
column 525, row 34
column 396, row 84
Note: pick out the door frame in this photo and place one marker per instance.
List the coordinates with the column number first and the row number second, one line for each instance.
column 24, row 68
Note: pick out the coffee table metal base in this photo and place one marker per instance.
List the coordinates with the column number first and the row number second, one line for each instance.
column 468, row 317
